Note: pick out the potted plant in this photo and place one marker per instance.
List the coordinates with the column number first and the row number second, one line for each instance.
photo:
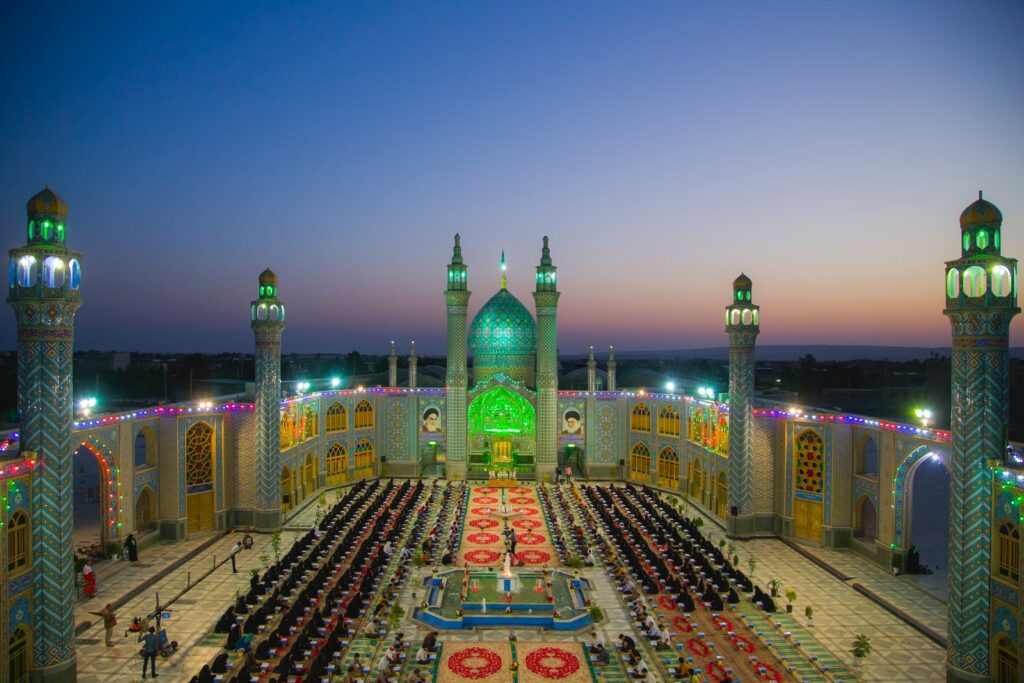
column 861, row 648
column 790, row 597
column 774, row 585
column 809, row 613
column 698, row 522
column 395, row 615
column 752, row 565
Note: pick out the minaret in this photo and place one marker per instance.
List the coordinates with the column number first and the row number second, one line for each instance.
column 456, row 298
column 412, row 366
column 546, row 299
column 267, row 316
column 981, row 298
column 611, row 368
column 591, row 372
column 393, row 367
column 45, row 293
column 742, row 324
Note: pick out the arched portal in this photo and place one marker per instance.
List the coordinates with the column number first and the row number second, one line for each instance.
column 928, row 523
column 18, row 655
column 145, row 511
column 95, row 496
column 722, row 500
column 501, row 432
column 87, row 492
column 201, row 498
column 309, row 476
column 866, row 520
column 286, row 489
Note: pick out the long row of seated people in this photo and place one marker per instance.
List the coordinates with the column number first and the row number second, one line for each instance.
column 702, row 564
column 296, row 617
column 566, row 535
column 453, row 505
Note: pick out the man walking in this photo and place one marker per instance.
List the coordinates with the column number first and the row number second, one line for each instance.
column 149, row 649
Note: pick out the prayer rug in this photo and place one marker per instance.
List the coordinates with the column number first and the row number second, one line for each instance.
column 480, row 662
column 545, row 662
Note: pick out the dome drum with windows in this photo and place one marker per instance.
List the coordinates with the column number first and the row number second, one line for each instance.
column 742, row 313
column 44, row 267
column 267, row 307
column 981, row 276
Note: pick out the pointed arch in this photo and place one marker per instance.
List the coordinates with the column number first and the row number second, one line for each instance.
column 364, row 415
column 365, row 464
column 287, row 495
column 145, row 510
column 310, row 475
column 200, row 499
column 640, row 418
column 18, row 654
column 640, row 462
column 695, row 479
column 1007, row 551
column 668, row 466
column 865, row 519
column 337, row 464
column 337, row 418
column 287, row 438
column 310, row 421
column 18, row 546
column 722, row 494
column 668, row 422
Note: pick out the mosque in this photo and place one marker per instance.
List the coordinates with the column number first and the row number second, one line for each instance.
column 814, row 477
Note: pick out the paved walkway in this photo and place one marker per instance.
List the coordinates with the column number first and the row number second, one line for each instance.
column 840, row 612
column 899, row 652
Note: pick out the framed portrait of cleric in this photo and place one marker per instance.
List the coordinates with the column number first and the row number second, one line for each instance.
column 431, row 420
column 571, row 425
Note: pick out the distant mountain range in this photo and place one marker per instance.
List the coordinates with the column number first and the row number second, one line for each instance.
column 821, row 352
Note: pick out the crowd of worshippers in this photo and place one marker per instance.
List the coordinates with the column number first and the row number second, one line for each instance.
column 453, row 499
column 567, row 534
column 655, row 549
column 297, row 620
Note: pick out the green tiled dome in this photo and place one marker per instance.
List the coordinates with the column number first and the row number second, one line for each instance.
column 503, row 338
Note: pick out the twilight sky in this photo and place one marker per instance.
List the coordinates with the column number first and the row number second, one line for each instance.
column 824, row 148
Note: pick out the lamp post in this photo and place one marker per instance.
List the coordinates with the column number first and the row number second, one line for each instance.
column 924, row 415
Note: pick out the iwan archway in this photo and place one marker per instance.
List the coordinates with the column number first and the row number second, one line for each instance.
column 502, row 430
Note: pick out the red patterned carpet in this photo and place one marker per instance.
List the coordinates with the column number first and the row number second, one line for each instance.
column 483, row 544
column 482, row 662
column 544, row 662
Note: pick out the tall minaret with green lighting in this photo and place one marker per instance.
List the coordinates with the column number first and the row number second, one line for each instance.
column 546, row 299
column 456, row 297
column 267, row 318
column 45, row 283
column 742, row 324
column 981, row 299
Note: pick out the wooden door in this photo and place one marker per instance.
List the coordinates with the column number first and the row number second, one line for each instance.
column 502, row 452
column 200, row 511
column 807, row 519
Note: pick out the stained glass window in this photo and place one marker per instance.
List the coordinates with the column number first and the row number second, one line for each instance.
column 1009, row 551
column 364, row 458
column 199, row 455
column 17, row 542
column 337, row 418
column 364, row 415
column 337, row 464
column 810, row 462
column 640, row 462
column 640, row 418
column 668, row 421
column 668, row 467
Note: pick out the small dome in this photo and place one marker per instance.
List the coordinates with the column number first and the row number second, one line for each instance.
column 503, row 338
column 981, row 212
column 742, row 282
column 47, row 204
column 267, row 277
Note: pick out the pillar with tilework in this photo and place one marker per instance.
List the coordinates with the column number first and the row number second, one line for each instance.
column 456, row 298
column 980, row 302
column 45, row 282
column 267, row 315
column 742, row 324
column 545, row 297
